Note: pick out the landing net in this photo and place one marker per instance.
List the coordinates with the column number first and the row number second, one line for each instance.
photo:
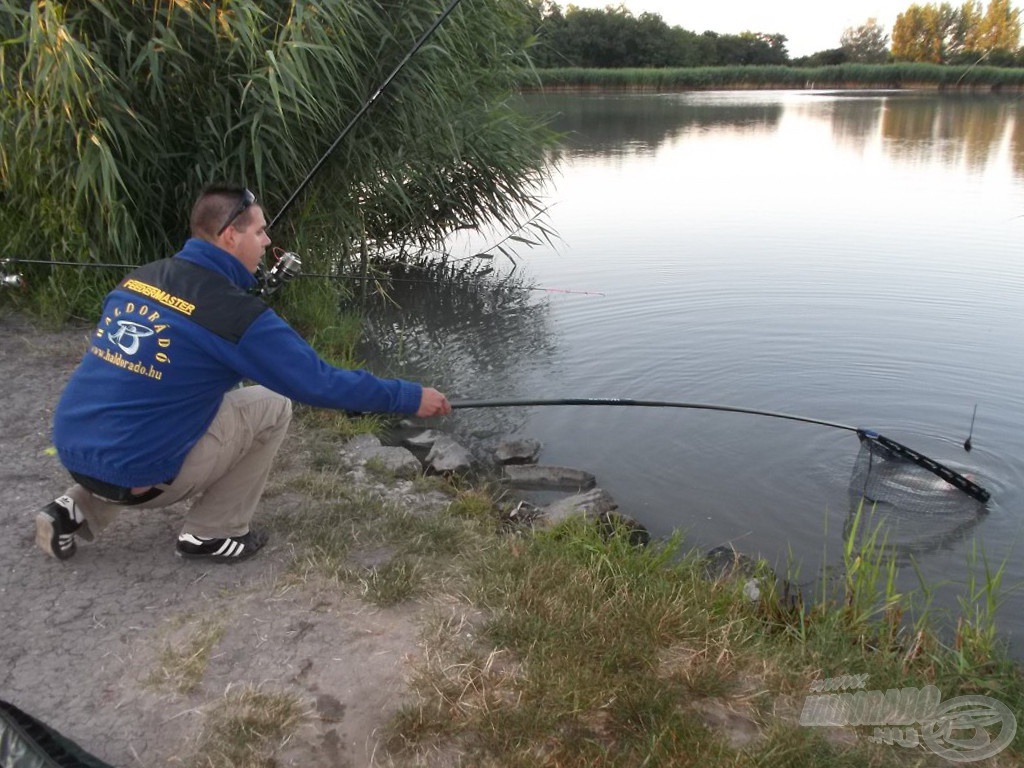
column 917, row 503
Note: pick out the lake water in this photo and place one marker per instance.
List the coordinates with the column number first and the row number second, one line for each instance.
column 851, row 257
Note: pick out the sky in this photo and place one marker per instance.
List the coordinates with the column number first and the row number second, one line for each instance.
column 809, row 25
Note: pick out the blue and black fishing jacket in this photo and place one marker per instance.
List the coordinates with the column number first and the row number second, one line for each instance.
column 174, row 337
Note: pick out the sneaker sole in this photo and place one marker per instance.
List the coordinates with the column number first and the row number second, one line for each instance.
column 220, row 559
column 47, row 538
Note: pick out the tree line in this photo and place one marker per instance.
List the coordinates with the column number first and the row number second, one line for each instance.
column 614, row 37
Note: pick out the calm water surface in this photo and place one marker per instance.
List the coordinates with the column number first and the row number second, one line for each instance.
column 848, row 257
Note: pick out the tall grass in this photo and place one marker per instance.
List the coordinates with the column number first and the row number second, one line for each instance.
column 844, row 75
column 113, row 115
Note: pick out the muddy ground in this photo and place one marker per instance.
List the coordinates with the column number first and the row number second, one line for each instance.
column 81, row 640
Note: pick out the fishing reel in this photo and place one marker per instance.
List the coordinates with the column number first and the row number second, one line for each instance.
column 10, row 279
column 268, row 282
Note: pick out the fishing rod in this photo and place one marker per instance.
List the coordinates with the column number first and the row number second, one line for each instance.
column 875, row 442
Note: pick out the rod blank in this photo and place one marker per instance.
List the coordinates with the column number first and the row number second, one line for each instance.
column 955, row 479
column 646, row 404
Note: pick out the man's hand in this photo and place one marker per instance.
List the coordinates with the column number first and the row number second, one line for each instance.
column 433, row 403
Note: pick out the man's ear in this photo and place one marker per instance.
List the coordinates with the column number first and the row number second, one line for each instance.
column 227, row 239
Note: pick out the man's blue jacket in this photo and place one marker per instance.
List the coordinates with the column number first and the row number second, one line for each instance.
column 174, row 337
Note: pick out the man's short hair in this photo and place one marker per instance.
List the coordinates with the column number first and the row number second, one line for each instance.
column 213, row 206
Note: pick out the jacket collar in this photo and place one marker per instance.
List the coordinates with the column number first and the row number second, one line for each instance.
column 205, row 254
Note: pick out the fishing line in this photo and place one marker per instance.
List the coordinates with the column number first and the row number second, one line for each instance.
column 876, row 444
column 970, row 434
column 12, row 280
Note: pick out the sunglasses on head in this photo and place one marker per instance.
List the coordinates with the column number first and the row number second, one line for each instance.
column 248, row 198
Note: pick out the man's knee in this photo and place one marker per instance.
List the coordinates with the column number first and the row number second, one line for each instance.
column 285, row 405
column 277, row 407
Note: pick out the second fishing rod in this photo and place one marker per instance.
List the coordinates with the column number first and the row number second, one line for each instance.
column 288, row 264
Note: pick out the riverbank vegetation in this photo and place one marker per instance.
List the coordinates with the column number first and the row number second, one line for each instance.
column 112, row 118
column 881, row 76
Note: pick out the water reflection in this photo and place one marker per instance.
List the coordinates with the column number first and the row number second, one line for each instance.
column 617, row 125
column 914, row 127
column 470, row 337
column 951, row 130
column 855, row 121
column 907, row 534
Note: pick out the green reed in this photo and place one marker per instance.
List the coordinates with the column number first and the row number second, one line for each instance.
column 900, row 75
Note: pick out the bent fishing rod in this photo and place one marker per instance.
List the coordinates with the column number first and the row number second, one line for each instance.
column 289, row 264
column 874, row 440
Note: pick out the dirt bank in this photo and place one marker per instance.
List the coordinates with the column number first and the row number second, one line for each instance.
column 85, row 644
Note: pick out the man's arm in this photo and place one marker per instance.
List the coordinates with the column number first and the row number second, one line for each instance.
column 271, row 353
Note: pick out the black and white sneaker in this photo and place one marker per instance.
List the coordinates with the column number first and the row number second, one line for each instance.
column 232, row 549
column 56, row 526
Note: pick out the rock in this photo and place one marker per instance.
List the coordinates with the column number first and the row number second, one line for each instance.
column 596, row 506
column 725, row 561
column 448, row 456
column 535, row 477
column 591, row 504
column 616, row 522
column 424, row 439
column 752, row 590
column 518, row 451
column 359, row 444
column 522, row 515
column 395, row 461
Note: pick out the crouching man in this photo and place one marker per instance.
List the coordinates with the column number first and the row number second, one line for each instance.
column 152, row 415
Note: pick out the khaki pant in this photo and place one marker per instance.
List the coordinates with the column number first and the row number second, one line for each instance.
column 224, row 473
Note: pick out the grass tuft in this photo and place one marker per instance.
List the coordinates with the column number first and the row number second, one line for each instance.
column 416, row 552
column 182, row 663
column 392, row 583
column 247, row 728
